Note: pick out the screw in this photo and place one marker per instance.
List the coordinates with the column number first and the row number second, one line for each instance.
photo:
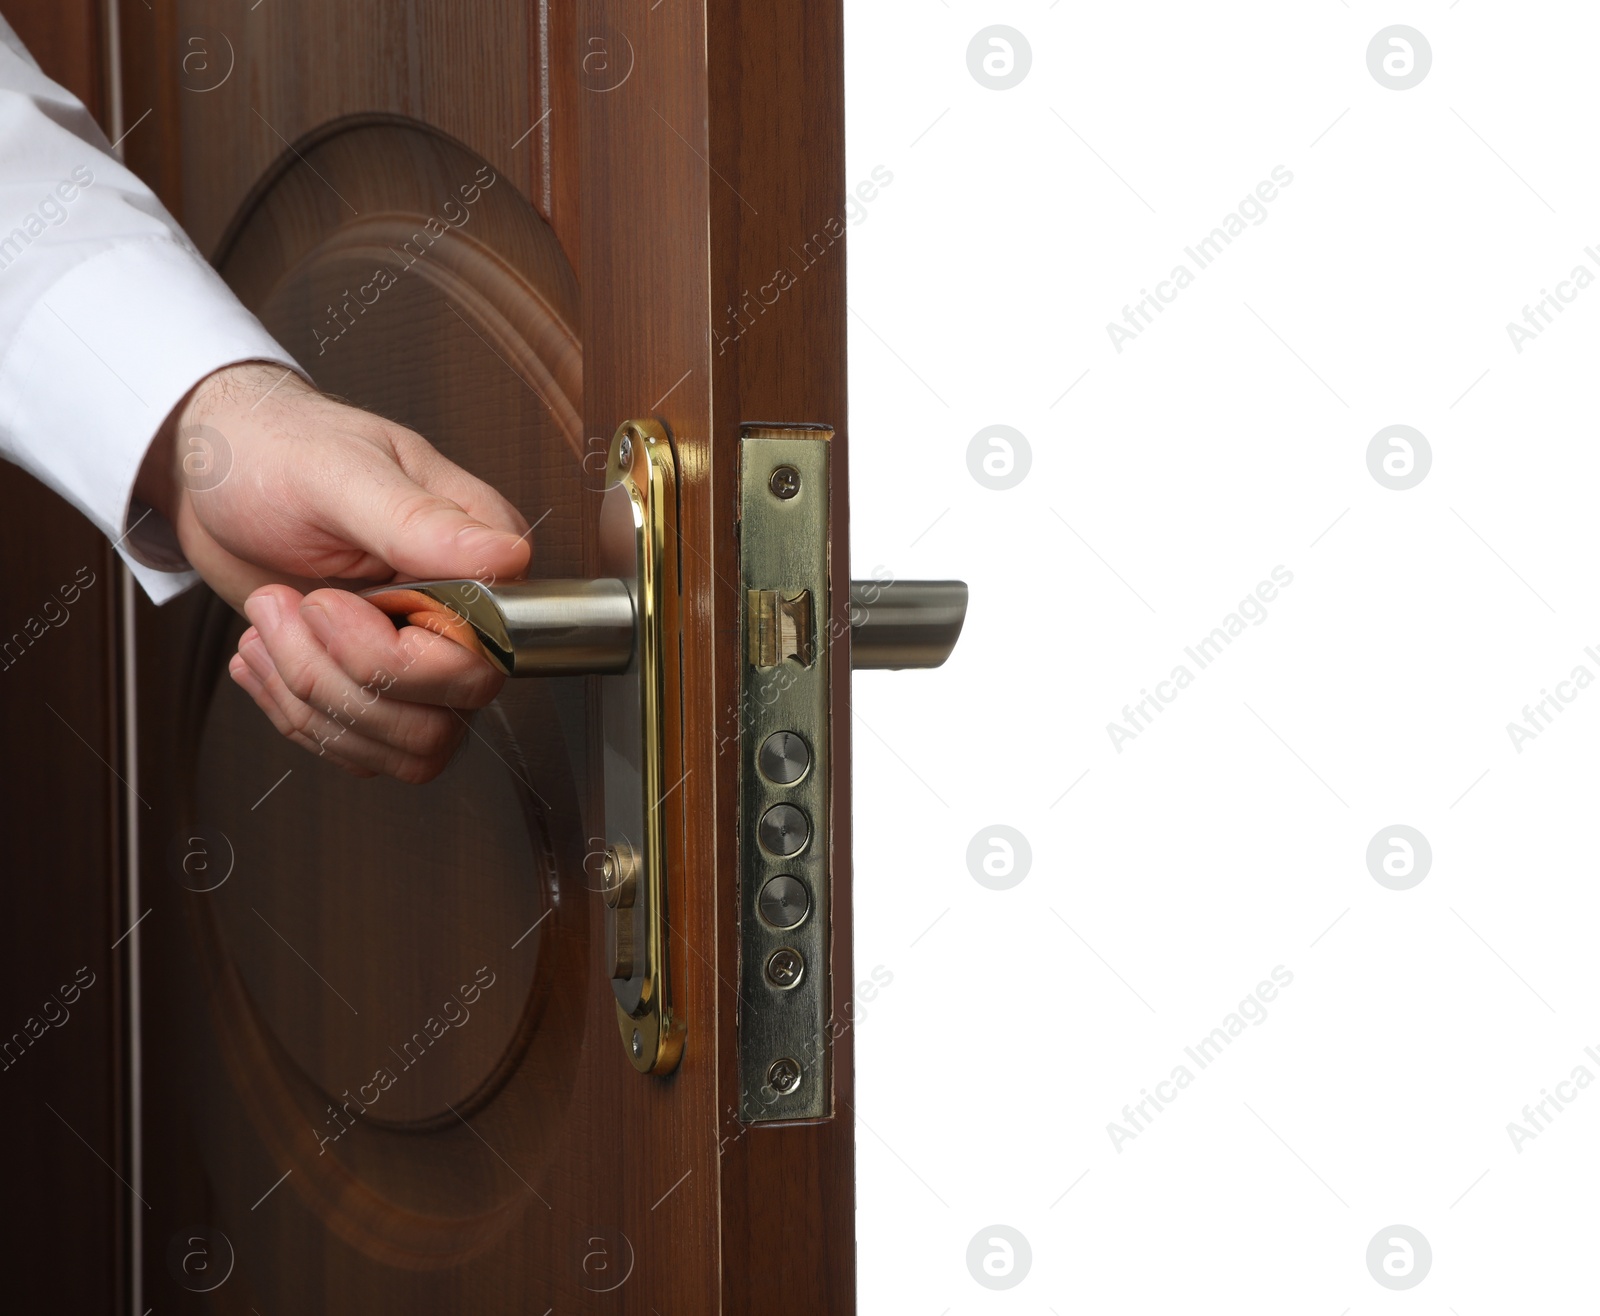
column 784, row 967
column 784, row 1076
column 625, row 452
column 619, row 876
column 785, row 482
column 638, row 1044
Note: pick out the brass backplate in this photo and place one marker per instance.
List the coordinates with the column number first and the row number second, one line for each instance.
column 785, row 841
column 638, row 543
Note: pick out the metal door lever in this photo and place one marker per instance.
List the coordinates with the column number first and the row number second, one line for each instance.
column 525, row 628
column 905, row 623
column 574, row 627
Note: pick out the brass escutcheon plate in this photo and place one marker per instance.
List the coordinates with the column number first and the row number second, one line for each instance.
column 638, row 544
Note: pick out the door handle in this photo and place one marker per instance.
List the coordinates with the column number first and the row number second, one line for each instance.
column 527, row 627
column 581, row 627
column 625, row 627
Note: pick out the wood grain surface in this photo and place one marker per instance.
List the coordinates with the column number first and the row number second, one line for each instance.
column 777, row 201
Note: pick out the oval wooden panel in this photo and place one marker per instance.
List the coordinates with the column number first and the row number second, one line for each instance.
column 389, row 960
column 346, row 893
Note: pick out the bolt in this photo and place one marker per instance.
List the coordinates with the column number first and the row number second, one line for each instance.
column 784, row 901
column 784, row 830
column 784, row 1076
column 784, row 758
column 785, row 482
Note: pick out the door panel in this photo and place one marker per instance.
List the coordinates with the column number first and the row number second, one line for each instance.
column 310, row 1091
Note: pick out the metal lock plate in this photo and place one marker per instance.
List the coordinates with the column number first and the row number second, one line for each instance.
column 638, row 544
column 785, row 836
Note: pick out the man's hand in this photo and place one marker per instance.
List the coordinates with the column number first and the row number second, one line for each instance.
column 280, row 495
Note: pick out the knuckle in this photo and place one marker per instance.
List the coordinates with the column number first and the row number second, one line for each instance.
column 302, row 721
column 431, row 735
column 376, row 686
column 409, row 511
column 298, row 678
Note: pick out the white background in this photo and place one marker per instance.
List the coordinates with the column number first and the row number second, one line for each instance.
column 1231, row 836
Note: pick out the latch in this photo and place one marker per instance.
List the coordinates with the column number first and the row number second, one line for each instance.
column 625, row 627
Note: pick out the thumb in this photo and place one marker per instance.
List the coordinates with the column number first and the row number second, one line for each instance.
column 422, row 534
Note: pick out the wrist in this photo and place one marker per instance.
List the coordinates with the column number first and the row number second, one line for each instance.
column 233, row 389
column 182, row 452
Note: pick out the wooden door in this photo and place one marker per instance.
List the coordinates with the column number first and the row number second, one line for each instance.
column 379, row 1067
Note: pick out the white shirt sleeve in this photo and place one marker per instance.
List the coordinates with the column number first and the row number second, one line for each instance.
column 108, row 316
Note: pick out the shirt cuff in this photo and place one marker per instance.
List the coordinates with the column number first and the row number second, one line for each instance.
column 97, row 366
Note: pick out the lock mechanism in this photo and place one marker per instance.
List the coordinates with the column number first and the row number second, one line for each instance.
column 626, row 628
column 785, row 773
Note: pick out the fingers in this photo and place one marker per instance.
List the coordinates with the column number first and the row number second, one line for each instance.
column 253, row 686
column 355, row 716
column 325, row 735
column 426, row 517
column 427, row 466
column 411, row 664
column 315, row 490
